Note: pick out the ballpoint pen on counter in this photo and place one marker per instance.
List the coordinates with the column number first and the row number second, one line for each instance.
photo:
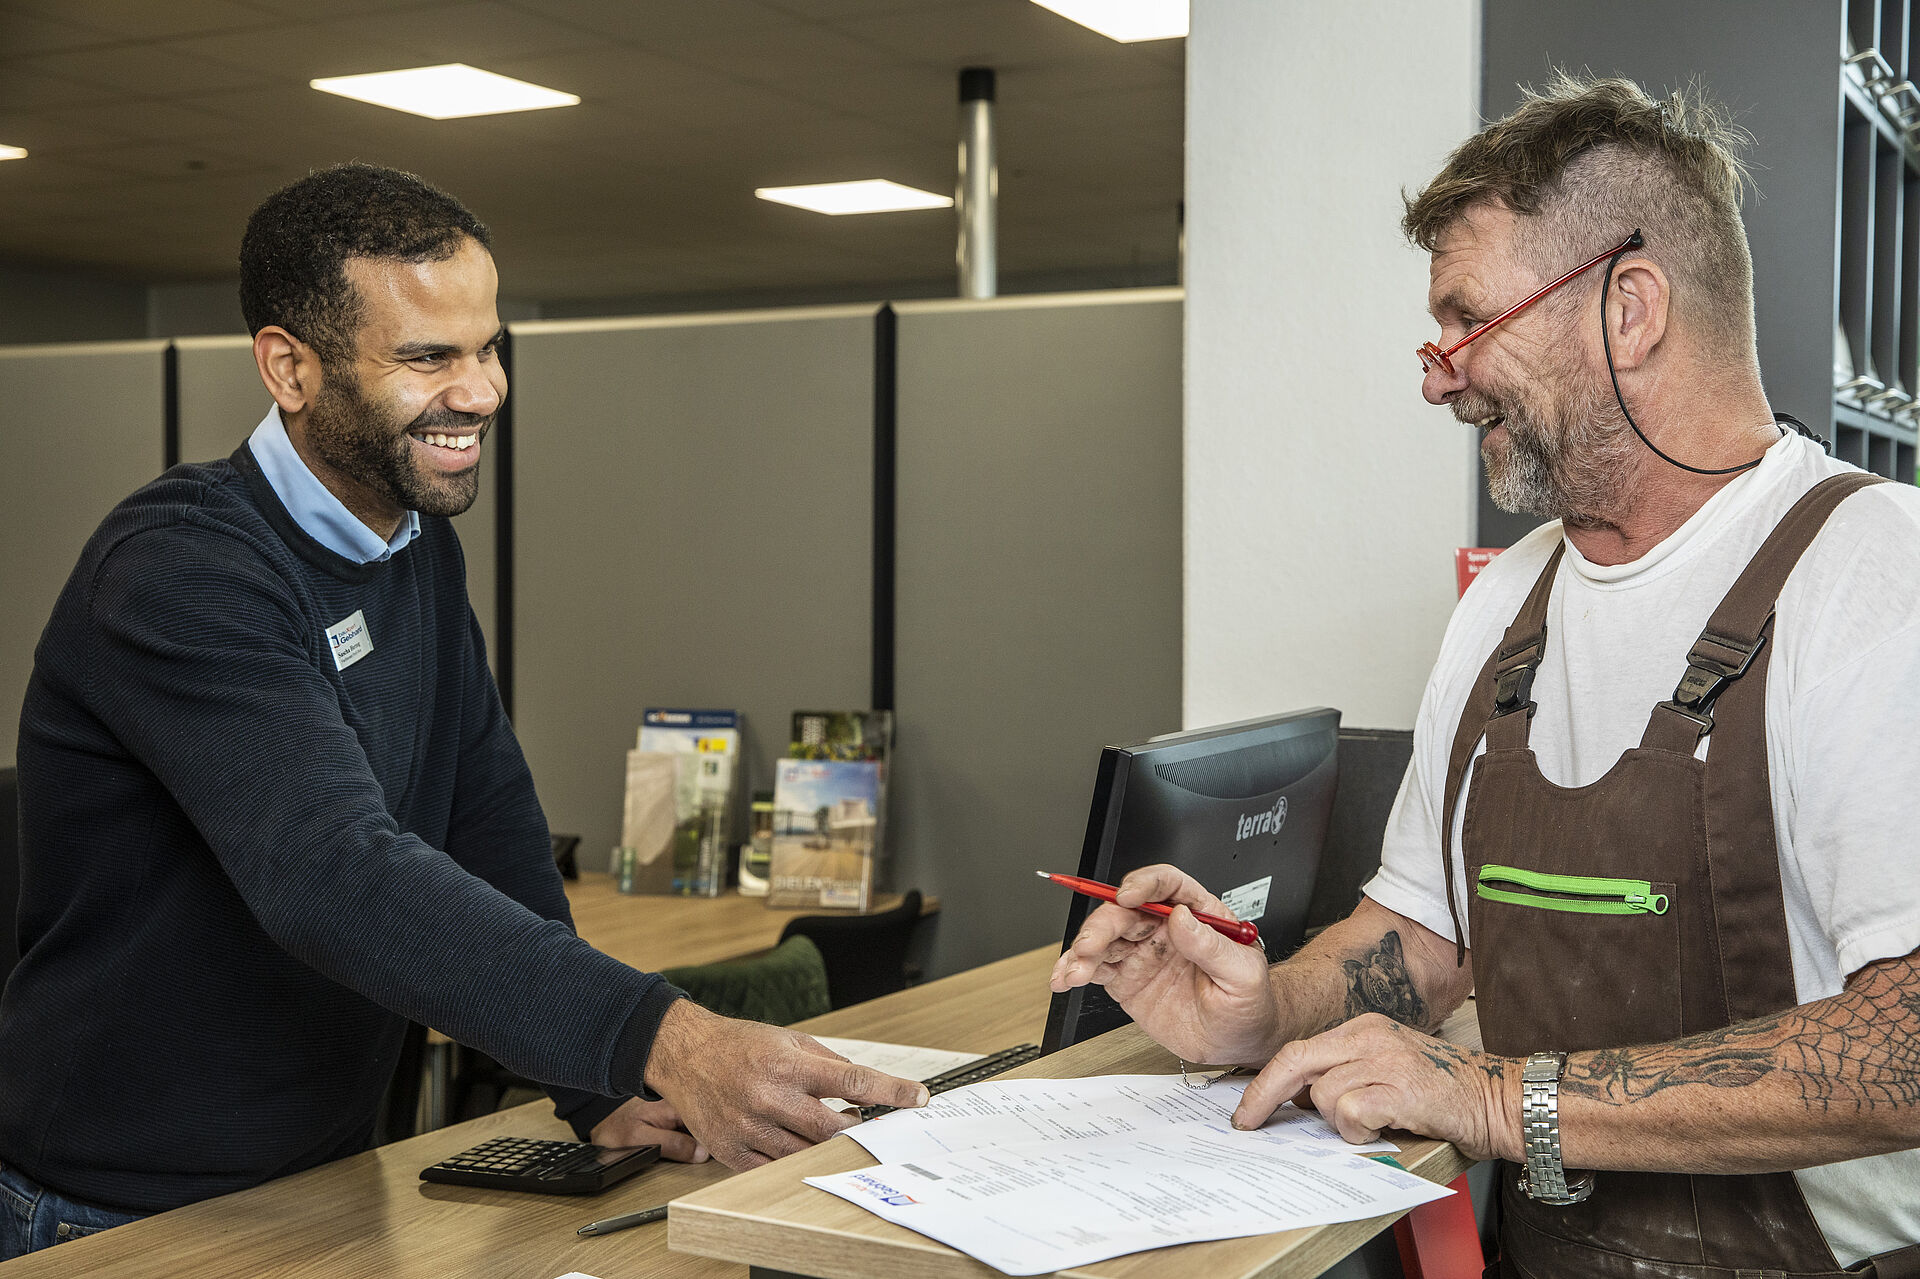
column 611, row 1224
column 1247, row 934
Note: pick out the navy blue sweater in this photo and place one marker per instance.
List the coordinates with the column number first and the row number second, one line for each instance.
column 243, row 871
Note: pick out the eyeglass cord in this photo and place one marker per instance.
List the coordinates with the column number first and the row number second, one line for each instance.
column 1782, row 419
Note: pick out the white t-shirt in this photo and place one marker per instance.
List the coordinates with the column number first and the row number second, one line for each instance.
column 1843, row 737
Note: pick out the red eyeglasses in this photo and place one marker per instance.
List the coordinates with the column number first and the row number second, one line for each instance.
column 1430, row 353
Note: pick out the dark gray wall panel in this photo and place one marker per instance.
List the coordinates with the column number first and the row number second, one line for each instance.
column 1776, row 63
column 80, row 428
column 693, row 508
column 222, row 400
column 1039, row 591
column 55, row 304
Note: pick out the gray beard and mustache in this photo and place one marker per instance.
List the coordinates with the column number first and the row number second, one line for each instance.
column 1569, row 456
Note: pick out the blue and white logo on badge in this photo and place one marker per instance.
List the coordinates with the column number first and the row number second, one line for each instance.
column 348, row 640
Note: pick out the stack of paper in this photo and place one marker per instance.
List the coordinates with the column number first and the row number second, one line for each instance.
column 1036, row 1175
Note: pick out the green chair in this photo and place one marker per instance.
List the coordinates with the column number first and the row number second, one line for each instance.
column 785, row 985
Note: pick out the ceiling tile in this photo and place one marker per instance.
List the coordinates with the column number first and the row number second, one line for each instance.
column 480, row 33
column 146, row 19
column 836, row 10
column 302, row 10
column 24, row 34
column 47, row 135
column 147, row 69
column 168, row 160
column 146, row 119
column 24, row 88
column 658, row 24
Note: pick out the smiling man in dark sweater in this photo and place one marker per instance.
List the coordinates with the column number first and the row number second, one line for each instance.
column 271, row 808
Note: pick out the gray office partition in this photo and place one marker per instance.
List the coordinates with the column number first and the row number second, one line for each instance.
column 693, row 526
column 222, row 399
column 81, row 426
column 1038, row 590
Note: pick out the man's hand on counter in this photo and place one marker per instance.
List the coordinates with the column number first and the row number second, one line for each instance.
column 750, row 1093
column 1373, row 1073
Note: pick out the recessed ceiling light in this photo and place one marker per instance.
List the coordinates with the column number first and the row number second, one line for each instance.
column 876, row 195
column 13, row 153
column 1127, row 21
column 445, row 92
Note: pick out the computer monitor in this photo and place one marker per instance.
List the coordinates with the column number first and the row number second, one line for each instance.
column 1243, row 808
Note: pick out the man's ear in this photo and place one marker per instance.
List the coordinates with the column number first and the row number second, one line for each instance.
column 289, row 368
column 1637, row 307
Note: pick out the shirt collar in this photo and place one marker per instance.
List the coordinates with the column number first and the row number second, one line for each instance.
column 320, row 514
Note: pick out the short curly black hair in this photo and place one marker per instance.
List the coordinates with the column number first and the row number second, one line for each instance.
column 294, row 252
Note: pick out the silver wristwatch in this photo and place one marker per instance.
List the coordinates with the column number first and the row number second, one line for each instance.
column 1543, row 1178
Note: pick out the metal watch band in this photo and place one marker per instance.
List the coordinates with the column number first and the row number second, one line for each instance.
column 1544, row 1178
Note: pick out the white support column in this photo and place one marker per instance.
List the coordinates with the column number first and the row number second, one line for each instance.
column 977, row 199
column 1324, row 497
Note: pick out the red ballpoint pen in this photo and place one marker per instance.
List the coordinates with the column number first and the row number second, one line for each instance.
column 1238, row 930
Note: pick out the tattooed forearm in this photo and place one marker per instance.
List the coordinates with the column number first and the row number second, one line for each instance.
column 1454, row 1060
column 1858, row 1051
column 1378, row 982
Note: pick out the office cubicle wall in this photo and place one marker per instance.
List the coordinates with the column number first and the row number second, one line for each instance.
column 81, row 426
column 693, row 526
column 222, row 399
column 1038, row 590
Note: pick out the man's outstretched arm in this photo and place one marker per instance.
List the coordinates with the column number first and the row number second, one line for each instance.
column 1835, row 1079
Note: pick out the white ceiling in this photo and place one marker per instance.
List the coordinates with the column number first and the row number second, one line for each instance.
column 155, row 126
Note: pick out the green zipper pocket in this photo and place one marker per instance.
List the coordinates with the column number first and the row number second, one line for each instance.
column 1580, row 894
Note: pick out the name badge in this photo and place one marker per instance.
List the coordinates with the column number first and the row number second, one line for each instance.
column 348, row 640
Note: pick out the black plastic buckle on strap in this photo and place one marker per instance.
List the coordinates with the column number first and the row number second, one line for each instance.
column 1707, row 677
column 1513, row 684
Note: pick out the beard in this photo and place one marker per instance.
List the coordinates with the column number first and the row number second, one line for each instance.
column 1568, row 454
column 369, row 445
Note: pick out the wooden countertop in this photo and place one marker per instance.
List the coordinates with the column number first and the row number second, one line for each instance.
column 371, row 1217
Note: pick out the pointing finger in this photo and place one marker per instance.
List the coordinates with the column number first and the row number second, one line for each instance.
column 1294, row 1067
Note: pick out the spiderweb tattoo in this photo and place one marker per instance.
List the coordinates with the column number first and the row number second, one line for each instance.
column 1858, row 1051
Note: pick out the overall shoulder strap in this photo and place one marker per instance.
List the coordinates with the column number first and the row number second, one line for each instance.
column 1743, row 619
column 1503, row 688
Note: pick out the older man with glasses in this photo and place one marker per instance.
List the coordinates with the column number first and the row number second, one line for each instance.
column 1666, row 777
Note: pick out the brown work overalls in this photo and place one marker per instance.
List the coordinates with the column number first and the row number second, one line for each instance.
column 1598, row 969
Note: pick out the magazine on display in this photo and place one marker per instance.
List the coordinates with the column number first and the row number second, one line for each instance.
column 677, row 826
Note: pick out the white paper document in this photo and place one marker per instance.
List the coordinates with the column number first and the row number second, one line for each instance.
column 903, row 1060
column 1006, row 1112
column 1039, row 1207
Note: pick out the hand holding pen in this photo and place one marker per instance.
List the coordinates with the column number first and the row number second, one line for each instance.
column 1239, row 930
column 1178, row 967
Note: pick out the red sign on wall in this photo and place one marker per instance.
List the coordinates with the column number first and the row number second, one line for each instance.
column 1469, row 560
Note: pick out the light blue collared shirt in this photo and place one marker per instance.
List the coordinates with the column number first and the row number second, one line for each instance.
column 324, row 517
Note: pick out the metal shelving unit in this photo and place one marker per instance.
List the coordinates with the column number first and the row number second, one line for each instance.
column 1876, row 337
